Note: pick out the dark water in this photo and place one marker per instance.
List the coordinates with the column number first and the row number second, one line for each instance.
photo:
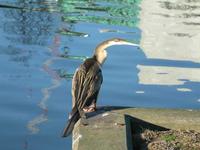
column 43, row 42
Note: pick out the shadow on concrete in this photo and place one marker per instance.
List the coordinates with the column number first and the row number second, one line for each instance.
column 103, row 109
column 134, row 127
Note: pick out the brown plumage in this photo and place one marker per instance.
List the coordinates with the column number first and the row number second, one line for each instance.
column 86, row 84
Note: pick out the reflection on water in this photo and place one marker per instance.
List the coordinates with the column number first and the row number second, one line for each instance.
column 36, row 121
column 171, row 30
column 184, row 89
column 72, row 33
column 124, row 13
column 159, row 75
column 114, row 31
column 43, row 42
column 25, row 39
column 29, row 27
column 16, row 54
column 46, row 92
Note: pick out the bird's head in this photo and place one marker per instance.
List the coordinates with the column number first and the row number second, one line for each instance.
column 100, row 51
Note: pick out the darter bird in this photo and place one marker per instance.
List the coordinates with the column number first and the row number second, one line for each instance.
column 86, row 84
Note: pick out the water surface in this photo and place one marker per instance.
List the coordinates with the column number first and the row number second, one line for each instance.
column 43, row 42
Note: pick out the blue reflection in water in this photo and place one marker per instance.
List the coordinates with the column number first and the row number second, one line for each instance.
column 43, row 42
column 30, row 109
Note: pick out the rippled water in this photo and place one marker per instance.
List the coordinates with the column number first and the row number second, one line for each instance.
column 42, row 43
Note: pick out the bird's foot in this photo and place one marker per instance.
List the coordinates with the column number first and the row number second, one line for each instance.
column 89, row 109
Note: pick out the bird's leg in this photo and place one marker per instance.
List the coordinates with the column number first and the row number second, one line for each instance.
column 83, row 117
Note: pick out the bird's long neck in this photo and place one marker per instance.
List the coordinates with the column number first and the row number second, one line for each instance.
column 100, row 53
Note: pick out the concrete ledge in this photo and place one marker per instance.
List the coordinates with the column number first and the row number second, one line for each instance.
column 107, row 126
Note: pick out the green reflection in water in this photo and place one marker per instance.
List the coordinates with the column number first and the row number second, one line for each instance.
column 115, row 12
column 75, row 57
column 82, row 58
column 65, row 54
column 63, row 74
column 72, row 33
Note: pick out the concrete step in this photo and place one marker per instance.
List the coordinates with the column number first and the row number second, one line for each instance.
column 110, row 127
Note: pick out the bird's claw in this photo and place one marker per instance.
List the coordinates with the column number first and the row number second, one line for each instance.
column 89, row 109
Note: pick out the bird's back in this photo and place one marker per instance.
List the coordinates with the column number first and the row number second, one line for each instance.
column 88, row 63
column 87, row 79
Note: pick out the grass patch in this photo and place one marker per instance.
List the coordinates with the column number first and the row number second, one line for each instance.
column 168, row 138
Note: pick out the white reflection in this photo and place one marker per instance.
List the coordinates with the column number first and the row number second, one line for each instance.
column 139, row 92
column 46, row 92
column 184, row 90
column 159, row 75
column 32, row 124
column 170, row 29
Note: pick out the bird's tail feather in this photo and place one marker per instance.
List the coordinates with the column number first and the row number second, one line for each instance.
column 74, row 117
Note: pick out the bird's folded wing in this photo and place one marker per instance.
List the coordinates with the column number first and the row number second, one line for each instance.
column 86, row 84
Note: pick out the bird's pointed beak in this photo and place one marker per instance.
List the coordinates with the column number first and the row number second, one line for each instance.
column 130, row 43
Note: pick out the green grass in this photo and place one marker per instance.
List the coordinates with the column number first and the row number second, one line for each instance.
column 169, row 138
